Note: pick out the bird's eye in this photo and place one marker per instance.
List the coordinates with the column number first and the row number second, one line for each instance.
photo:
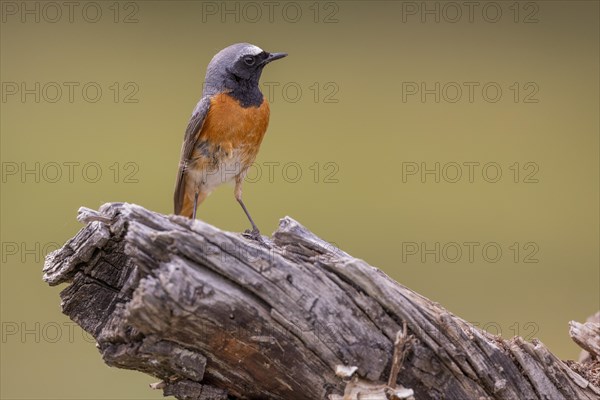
column 249, row 60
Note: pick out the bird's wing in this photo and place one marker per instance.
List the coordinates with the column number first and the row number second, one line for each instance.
column 191, row 136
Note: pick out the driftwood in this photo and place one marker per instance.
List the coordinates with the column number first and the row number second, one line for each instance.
column 215, row 315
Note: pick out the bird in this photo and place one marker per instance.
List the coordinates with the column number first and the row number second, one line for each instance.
column 226, row 129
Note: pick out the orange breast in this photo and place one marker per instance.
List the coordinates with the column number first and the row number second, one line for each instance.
column 225, row 147
column 231, row 126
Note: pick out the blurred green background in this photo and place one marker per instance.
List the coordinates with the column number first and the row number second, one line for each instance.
column 354, row 110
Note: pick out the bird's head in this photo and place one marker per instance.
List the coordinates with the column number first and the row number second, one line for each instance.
column 238, row 64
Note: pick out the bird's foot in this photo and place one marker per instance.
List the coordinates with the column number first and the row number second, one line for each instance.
column 254, row 234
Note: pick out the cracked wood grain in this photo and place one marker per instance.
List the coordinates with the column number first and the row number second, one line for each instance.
column 217, row 316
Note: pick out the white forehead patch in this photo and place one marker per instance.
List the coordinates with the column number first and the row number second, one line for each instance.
column 253, row 50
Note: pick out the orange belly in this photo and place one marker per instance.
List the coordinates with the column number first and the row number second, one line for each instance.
column 227, row 145
column 227, row 122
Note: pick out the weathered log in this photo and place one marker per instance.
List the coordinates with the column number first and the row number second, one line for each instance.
column 587, row 336
column 215, row 315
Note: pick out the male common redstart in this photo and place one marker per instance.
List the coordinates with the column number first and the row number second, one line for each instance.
column 226, row 128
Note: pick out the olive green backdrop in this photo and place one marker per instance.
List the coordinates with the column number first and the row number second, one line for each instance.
column 96, row 96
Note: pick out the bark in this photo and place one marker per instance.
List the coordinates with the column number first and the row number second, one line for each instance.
column 215, row 315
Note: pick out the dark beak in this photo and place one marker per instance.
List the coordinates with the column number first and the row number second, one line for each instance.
column 273, row 57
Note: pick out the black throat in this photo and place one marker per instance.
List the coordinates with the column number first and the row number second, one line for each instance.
column 246, row 91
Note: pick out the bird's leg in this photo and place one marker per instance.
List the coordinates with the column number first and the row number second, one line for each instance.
column 255, row 233
column 195, row 204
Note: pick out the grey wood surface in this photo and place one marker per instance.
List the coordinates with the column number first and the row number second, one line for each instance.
column 215, row 315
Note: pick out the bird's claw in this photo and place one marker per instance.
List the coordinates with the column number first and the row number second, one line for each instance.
column 254, row 234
